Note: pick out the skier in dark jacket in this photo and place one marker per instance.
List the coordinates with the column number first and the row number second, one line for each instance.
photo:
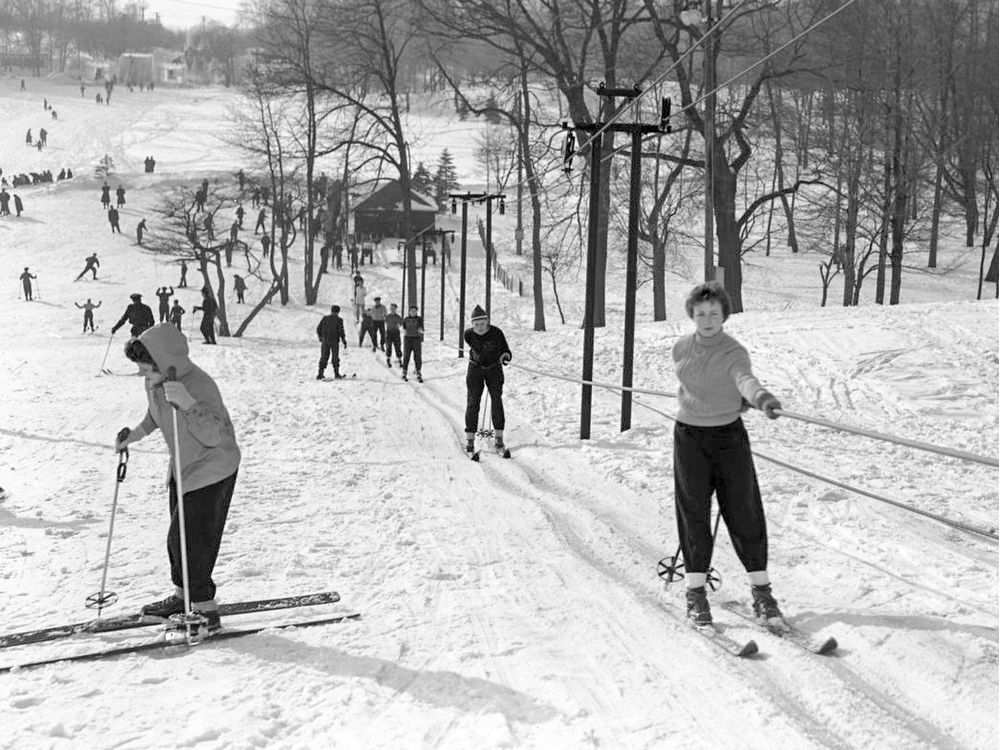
column 92, row 264
column 209, row 460
column 113, row 220
column 712, row 453
column 164, row 294
column 18, row 204
column 138, row 315
column 105, row 196
column 240, row 287
column 26, row 278
column 367, row 329
column 182, row 284
column 208, row 309
column 488, row 352
column 120, row 197
column 140, row 229
column 413, row 337
column 330, row 332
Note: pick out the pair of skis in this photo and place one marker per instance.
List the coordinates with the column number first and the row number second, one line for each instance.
column 778, row 626
column 128, row 622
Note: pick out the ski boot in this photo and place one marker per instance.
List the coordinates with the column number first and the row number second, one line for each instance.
column 388, row 363
column 319, row 376
column 164, row 608
column 470, row 446
column 211, row 625
column 765, row 607
column 420, row 378
column 698, row 610
column 404, row 375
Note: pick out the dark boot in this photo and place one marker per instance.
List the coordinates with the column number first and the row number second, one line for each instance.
column 698, row 610
column 764, row 604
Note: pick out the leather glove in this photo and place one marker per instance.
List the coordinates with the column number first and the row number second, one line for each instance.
column 767, row 403
column 175, row 393
column 505, row 359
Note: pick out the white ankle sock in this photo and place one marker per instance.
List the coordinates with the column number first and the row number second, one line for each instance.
column 695, row 580
column 758, row 577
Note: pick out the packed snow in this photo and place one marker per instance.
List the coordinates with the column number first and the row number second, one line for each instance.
column 505, row 604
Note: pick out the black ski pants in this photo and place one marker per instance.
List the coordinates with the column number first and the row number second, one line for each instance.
column 412, row 345
column 88, row 320
column 476, row 379
column 329, row 352
column 164, row 311
column 205, row 511
column 378, row 326
column 392, row 342
column 717, row 460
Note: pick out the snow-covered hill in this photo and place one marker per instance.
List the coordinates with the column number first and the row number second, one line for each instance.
column 505, row 604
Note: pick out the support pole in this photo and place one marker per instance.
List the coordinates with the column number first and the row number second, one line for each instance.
column 423, row 278
column 588, row 314
column 444, row 254
column 631, row 276
column 461, row 287
column 402, row 302
column 489, row 250
column 710, row 103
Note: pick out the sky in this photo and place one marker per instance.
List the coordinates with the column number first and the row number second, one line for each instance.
column 182, row 14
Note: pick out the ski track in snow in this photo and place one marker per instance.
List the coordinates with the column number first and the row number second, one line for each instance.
column 505, row 603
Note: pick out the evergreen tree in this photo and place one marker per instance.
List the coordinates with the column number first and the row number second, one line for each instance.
column 445, row 179
column 421, row 180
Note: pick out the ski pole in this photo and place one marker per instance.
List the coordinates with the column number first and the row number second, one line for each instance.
column 179, row 488
column 104, row 597
column 670, row 568
column 106, row 350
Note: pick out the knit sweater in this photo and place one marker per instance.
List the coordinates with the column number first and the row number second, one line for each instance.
column 715, row 376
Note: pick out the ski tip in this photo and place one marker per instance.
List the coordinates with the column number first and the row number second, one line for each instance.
column 749, row 649
column 828, row 646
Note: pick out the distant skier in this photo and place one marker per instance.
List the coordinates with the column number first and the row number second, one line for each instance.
column 18, row 205
column 359, row 299
column 26, row 278
column 208, row 309
column 105, row 196
column 240, row 287
column 209, row 461
column 4, row 202
column 88, row 308
column 163, row 294
column 712, row 452
column 137, row 314
column 120, row 197
column 261, row 222
column 182, row 284
column 378, row 322
column 366, row 328
column 392, row 323
column 92, row 264
column 140, row 230
column 209, row 225
column 43, row 136
column 177, row 315
column 265, row 244
column 27, row 138
column 330, row 332
column 488, row 353
column 413, row 337
column 113, row 220
column 240, row 213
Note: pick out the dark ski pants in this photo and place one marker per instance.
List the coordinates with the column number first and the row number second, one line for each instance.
column 164, row 312
column 329, row 352
column 378, row 326
column 392, row 342
column 717, row 459
column 476, row 379
column 88, row 320
column 205, row 511
column 208, row 329
column 412, row 345
column 367, row 331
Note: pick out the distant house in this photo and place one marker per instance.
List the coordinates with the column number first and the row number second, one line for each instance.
column 380, row 214
column 158, row 66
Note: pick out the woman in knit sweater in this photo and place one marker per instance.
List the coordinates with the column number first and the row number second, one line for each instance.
column 712, row 452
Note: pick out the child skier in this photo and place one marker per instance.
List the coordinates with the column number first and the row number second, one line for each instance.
column 712, row 452
column 413, row 337
column 177, row 315
column 392, row 322
column 488, row 353
column 209, row 460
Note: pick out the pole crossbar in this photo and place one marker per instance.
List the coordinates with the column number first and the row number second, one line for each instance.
column 964, row 455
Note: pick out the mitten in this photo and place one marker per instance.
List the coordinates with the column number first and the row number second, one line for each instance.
column 767, row 403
